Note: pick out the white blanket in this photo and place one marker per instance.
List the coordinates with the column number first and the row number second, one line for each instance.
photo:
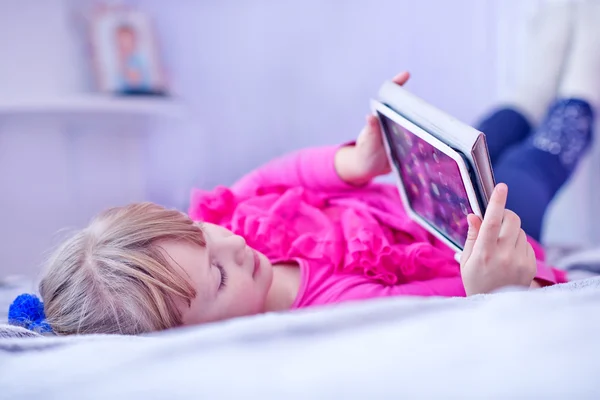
column 541, row 344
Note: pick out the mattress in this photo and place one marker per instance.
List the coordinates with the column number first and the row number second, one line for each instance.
column 513, row 344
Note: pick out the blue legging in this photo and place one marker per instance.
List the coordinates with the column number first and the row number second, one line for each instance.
column 535, row 163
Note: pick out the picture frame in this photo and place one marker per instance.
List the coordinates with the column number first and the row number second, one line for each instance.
column 125, row 53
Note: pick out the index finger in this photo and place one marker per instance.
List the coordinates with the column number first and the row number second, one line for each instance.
column 492, row 221
column 401, row 78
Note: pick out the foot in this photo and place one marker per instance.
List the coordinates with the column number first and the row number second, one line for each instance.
column 582, row 71
column 538, row 73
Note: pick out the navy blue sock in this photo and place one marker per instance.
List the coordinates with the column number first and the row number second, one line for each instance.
column 503, row 129
column 538, row 167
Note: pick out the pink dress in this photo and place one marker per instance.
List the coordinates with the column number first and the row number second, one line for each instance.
column 351, row 243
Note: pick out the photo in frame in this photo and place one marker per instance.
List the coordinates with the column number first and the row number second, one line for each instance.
column 125, row 53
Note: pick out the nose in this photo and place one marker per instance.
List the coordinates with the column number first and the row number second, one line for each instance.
column 240, row 246
column 237, row 241
column 236, row 245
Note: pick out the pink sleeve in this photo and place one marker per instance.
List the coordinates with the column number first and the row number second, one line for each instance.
column 313, row 168
column 446, row 287
column 441, row 287
column 546, row 275
column 453, row 287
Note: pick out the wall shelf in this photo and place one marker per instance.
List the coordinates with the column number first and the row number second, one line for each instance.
column 90, row 104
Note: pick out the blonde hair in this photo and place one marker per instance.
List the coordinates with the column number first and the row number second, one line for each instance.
column 113, row 277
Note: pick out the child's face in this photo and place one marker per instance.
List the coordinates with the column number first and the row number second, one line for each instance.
column 231, row 279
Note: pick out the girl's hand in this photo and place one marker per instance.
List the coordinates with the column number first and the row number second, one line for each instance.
column 367, row 159
column 496, row 252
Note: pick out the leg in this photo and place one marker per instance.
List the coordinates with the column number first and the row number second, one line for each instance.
column 504, row 128
column 537, row 76
column 537, row 168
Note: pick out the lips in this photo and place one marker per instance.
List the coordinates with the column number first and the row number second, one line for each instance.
column 256, row 262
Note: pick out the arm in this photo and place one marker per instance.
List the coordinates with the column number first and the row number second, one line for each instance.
column 453, row 287
column 440, row 287
column 327, row 168
column 445, row 287
column 320, row 168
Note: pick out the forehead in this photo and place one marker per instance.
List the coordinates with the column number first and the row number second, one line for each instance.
column 193, row 262
column 214, row 231
column 190, row 259
column 181, row 250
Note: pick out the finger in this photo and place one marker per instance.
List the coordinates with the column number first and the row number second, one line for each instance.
column 531, row 253
column 373, row 123
column 474, row 227
column 401, row 78
column 522, row 245
column 366, row 130
column 492, row 221
column 532, row 260
column 371, row 126
column 511, row 228
column 525, row 248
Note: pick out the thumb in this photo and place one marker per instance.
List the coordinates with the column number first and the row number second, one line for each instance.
column 370, row 130
column 374, row 127
column 474, row 226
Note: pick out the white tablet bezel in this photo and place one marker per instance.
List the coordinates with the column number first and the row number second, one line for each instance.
column 379, row 107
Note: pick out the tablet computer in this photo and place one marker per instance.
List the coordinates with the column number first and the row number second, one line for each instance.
column 436, row 183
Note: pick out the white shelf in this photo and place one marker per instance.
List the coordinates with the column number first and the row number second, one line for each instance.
column 93, row 104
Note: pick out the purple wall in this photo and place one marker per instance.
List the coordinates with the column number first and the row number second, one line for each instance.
column 260, row 78
column 264, row 77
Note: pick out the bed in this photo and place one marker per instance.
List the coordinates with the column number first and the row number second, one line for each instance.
column 513, row 344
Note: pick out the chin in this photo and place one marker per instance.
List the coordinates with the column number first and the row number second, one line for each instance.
column 267, row 280
column 256, row 307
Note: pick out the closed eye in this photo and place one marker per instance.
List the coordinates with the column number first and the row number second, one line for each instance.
column 223, row 275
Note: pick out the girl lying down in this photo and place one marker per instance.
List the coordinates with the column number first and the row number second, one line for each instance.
column 312, row 228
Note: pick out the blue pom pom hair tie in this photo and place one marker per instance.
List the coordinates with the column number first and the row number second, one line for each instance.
column 27, row 311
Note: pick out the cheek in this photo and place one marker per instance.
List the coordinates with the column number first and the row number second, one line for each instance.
column 250, row 295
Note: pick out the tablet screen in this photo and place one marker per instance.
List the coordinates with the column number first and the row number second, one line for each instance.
column 432, row 180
